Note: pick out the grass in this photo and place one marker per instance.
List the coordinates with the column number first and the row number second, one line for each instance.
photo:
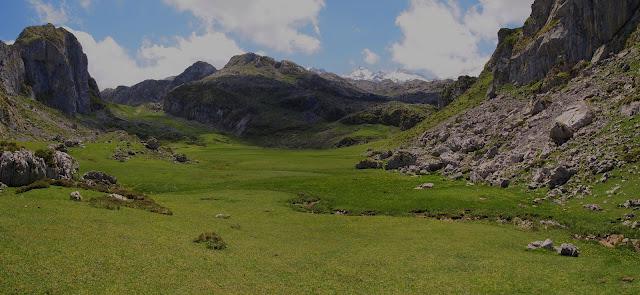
column 50, row 244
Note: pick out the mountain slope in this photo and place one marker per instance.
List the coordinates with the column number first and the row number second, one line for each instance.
column 154, row 90
column 557, row 131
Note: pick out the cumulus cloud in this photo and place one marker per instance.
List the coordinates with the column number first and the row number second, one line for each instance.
column 439, row 37
column 370, row 57
column 49, row 13
column 9, row 42
column 276, row 24
column 111, row 65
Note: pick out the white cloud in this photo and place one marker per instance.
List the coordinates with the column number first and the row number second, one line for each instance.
column 485, row 18
column 370, row 57
column 85, row 3
column 442, row 39
column 111, row 65
column 9, row 42
column 276, row 24
column 49, row 13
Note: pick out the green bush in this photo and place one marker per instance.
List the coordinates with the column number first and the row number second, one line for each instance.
column 46, row 155
column 6, row 146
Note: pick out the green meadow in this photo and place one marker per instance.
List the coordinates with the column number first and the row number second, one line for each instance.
column 283, row 236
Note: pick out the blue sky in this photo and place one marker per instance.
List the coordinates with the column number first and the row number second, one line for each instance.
column 127, row 41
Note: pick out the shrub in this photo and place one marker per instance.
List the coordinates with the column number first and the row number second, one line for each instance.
column 46, row 155
column 212, row 240
column 40, row 184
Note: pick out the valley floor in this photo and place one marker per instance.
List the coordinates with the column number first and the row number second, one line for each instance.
column 49, row 244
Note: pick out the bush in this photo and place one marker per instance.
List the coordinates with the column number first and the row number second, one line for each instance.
column 212, row 240
column 40, row 184
column 46, row 155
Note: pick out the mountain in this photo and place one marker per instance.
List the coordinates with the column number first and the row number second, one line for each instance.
column 48, row 63
column 397, row 76
column 556, row 107
column 257, row 95
column 155, row 90
column 558, row 35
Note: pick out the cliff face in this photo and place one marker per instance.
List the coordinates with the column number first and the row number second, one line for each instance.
column 559, row 34
column 155, row 90
column 56, row 69
column 11, row 69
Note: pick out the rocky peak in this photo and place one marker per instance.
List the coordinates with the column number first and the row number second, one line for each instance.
column 194, row 72
column 56, row 69
column 240, row 62
column 561, row 33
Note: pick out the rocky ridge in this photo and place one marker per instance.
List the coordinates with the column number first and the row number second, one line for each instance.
column 153, row 91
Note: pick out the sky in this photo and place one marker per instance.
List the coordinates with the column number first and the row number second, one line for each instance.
column 128, row 41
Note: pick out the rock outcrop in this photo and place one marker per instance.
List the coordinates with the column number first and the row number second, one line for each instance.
column 56, row 69
column 561, row 33
column 153, row 91
column 24, row 167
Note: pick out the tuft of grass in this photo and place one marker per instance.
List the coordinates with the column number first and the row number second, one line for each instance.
column 46, row 155
column 305, row 202
column 9, row 146
column 212, row 240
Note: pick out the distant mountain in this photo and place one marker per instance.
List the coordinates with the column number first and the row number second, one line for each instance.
column 256, row 95
column 397, row 76
column 155, row 90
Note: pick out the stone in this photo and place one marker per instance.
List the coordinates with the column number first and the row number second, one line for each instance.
column 537, row 105
column 572, row 120
column 63, row 166
column 592, row 207
column 568, row 250
column 546, row 244
column 3, row 186
column 425, row 186
column 223, row 216
column 100, row 177
column 152, row 144
column 180, row 158
column 118, row 197
column 75, row 196
column 559, row 176
column 400, row 159
column 631, row 204
column 369, row 164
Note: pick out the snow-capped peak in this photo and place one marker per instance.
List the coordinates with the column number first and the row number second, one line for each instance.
column 398, row 76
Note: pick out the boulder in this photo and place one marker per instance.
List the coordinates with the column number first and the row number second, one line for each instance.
column 546, row 244
column 180, row 158
column 400, row 159
column 568, row 250
column 369, row 164
column 2, row 186
column 63, row 166
column 537, row 105
column 572, row 120
column 75, row 196
column 100, row 177
column 631, row 204
column 21, row 168
column 118, row 197
column 592, row 207
column 559, row 176
column 152, row 144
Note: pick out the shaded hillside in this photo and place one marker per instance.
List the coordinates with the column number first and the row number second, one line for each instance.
column 255, row 95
